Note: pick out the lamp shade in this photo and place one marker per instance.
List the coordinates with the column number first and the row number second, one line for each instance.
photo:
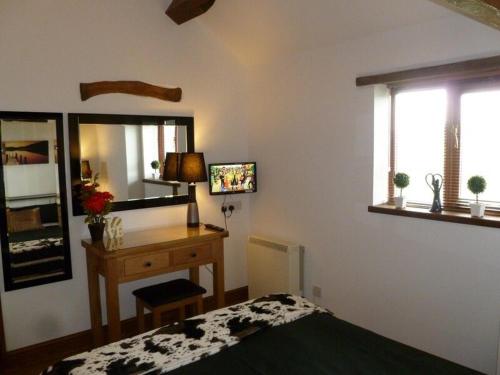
column 171, row 166
column 86, row 172
column 192, row 167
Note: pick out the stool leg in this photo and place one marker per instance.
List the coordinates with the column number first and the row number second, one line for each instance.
column 156, row 318
column 182, row 313
column 140, row 315
column 199, row 305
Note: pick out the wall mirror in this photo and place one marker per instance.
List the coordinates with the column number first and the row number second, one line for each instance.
column 121, row 149
column 34, row 220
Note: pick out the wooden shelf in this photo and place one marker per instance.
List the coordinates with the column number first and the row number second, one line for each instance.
column 449, row 216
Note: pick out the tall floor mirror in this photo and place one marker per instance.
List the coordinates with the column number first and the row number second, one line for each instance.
column 34, row 220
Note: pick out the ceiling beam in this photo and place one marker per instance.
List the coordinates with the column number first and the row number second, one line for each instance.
column 484, row 11
column 181, row 11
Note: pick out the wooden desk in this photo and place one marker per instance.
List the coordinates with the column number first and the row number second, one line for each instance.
column 149, row 253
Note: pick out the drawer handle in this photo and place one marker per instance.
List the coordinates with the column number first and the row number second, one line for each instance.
column 148, row 264
column 193, row 255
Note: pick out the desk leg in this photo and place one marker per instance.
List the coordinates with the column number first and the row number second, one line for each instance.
column 113, row 302
column 218, row 276
column 194, row 275
column 94, row 299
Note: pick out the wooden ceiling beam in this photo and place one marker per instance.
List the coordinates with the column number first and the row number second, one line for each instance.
column 181, row 11
column 484, row 11
column 494, row 3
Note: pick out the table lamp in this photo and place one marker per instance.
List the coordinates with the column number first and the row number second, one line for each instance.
column 191, row 170
column 86, row 172
column 171, row 166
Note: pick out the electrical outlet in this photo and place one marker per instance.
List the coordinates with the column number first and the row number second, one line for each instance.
column 317, row 291
column 235, row 204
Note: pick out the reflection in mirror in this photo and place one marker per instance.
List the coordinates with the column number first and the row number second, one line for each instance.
column 128, row 153
column 35, row 245
column 123, row 154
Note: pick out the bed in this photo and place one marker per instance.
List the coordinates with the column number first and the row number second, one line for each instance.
column 36, row 245
column 276, row 334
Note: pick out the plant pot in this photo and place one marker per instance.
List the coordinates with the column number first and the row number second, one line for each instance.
column 400, row 202
column 477, row 209
column 96, row 231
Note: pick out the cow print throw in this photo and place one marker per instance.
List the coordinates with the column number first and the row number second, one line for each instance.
column 18, row 247
column 176, row 345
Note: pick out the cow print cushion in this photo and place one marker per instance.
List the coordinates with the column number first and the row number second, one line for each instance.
column 176, row 345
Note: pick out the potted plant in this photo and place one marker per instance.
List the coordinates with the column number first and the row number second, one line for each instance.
column 477, row 185
column 96, row 204
column 155, row 164
column 401, row 180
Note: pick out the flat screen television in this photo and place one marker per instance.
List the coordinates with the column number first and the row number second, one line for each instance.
column 232, row 178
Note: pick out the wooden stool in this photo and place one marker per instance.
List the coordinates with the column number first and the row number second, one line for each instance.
column 172, row 295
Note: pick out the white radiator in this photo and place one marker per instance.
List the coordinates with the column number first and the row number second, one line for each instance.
column 273, row 267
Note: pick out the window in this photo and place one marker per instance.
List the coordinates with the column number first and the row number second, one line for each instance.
column 157, row 140
column 450, row 129
column 480, row 136
column 420, row 137
column 169, row 139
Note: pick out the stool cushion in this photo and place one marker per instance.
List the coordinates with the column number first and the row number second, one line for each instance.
column 171, row 291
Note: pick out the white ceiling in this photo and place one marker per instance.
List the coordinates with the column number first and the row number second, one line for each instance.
column 259, row 30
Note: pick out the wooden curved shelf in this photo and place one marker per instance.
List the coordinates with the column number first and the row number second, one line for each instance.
column 89, row 90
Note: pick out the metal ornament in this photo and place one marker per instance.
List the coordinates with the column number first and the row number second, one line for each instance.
column 436, row 184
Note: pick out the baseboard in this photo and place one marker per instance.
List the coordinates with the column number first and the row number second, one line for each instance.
column 48, row 352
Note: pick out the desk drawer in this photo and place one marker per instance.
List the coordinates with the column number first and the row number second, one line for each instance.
column 191, row 254
column 145, row 263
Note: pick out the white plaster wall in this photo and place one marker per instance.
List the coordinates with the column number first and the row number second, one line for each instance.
column 113, row 160
column 48, row 48
column 432, row 285
column 134, row 168
column 89, row 146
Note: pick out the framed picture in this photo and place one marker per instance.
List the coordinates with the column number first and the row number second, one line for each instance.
column 25, row 152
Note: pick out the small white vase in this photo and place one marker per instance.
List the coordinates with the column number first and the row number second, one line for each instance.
column 477, row 209
column 400, row 202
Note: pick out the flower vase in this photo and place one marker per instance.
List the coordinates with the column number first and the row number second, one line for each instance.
column 96, row 231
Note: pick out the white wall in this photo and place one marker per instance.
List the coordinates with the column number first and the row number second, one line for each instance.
column 135, row 169
column 49, row 47
column 89, row 146
column 113, row 160
column 432, row 285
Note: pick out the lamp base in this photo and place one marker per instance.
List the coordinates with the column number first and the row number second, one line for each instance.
column 193, row 217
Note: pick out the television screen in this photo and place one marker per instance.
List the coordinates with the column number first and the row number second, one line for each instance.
column 231, row 178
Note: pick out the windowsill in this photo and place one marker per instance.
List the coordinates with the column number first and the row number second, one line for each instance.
column 449, row 216
column 160, row 182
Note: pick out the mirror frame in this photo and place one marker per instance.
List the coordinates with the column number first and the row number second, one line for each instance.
column 75, row 119
column 8, row 284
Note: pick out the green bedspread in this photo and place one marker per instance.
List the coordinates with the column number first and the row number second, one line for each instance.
column 53, row 231
column 321, row 344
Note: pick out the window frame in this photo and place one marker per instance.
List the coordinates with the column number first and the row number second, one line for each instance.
column 452, row 140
